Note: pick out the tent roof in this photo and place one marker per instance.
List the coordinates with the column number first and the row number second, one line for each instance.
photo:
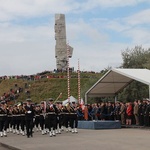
column 117, row 79
column 72, row 99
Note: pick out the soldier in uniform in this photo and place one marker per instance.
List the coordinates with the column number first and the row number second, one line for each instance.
column 62, row 116
column 66, row 112
column 22, row 112
column 37, row 116
column 42, row 116
column 58, row 118
column 9, row 116
column 51, row 112
column 70, row 117
column 3, row 119
column 29, row 118
column 75, row 118
column 15, row 114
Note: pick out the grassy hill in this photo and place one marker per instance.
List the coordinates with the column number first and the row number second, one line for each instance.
column 44, row 88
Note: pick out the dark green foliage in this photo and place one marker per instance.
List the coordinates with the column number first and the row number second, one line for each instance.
column 137, row 57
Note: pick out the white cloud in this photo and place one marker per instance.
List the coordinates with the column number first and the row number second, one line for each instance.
column 135, row 27
column 10, row 9
column 142, row 17
column 140, row 36
column 89, row 4
column 28, row 49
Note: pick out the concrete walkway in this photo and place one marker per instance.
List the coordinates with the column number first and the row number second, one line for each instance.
column 116, row 139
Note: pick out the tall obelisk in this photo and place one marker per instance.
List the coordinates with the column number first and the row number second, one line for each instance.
column 61, row 45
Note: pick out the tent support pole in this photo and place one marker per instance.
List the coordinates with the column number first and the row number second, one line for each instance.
column 115, row 98
column 85, row 99
column 86, row 108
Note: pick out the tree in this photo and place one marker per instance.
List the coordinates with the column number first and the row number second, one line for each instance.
column 137, row 57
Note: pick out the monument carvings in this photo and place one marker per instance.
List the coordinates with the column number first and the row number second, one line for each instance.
column 61, row 44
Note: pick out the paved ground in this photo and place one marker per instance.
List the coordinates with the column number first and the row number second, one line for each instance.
column 3, row 148
column 113, row 139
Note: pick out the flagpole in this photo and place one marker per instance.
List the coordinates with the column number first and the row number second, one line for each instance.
column 79, row 84
column 68, row 73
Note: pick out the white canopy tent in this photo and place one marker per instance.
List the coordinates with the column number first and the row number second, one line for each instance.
column 117, row 79
column 72, row 99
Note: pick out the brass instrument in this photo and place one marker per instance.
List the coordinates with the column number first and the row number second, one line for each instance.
column 15, row 110
column 69, row 108
column 51, row 108
column 58, row 98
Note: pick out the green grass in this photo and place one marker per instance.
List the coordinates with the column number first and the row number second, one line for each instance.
column 46, row 88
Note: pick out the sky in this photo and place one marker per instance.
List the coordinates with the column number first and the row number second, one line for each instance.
column 98, row 30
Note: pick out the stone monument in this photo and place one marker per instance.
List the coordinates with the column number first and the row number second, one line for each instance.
column 61, row 44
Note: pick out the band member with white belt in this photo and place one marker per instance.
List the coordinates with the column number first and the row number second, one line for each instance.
column 29, row 118
column 51, row 112
column 3, row 118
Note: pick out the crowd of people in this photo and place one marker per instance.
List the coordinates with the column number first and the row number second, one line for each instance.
column 45, row 74
column 12, row 94
column 51, row 118
column 48, row 117
column 129, row 113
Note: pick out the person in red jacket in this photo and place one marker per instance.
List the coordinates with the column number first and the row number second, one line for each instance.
column 129, row 113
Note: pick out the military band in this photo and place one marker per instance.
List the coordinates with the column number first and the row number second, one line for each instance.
column 47, row 117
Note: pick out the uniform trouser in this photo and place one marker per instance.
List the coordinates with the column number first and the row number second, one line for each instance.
column 67, row 120
column 110, row 117
column 46, row 122
column 76, row 121
column 141, row 120
column 14, row 122
column 22, row 123
column 29, row 126
column 136, row 119
column 37, row 121
column 51, row 121
column 9, row 121
column 41, row 121
column 18, row 121
column 3, row 123
column 117, row 117
column 122, row 119
column 58, row 121
column 62, row 120
column 73, row 121
column 146, row 120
